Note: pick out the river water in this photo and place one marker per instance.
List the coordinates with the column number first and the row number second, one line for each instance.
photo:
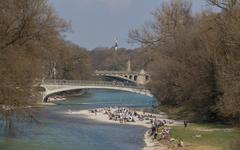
column 58, row 132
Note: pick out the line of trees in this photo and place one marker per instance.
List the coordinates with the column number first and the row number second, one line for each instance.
column 30, row 47
column 109, row 59
column 195, row 58
column 67, row 61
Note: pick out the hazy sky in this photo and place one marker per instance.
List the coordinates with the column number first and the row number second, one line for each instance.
column 96, row 23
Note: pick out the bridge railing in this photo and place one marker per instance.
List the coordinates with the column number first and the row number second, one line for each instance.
column 90, row 83
column 116, row 72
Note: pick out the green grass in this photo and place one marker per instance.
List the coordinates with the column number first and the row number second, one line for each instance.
column 213, row 136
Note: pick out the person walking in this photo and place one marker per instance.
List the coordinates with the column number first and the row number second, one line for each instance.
column 185, row 123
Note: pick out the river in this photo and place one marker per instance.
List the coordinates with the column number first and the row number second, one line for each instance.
column 58, row 132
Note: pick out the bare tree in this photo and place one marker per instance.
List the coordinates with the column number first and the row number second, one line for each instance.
column 25, row 26
column 223, row 4
column 193, row 55
column 227, row 25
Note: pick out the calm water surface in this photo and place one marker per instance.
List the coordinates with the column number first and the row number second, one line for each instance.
column 58, row 132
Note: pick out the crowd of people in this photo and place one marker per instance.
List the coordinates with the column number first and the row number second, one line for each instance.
column 160, row 131
column 123, row 114
column 159, row 127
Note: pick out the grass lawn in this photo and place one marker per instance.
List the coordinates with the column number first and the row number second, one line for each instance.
column 197, row 136
column 204, row 136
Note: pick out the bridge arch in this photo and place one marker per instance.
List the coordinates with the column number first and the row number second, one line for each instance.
column 121, row 78
column 61, row 86
column 140, row 78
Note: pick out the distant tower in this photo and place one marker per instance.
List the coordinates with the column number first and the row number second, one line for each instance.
column 129, row 66
column 116, row 44
column 53, row 71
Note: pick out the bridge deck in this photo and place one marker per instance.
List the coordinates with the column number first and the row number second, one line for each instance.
column 90, row 83
column 56, row 86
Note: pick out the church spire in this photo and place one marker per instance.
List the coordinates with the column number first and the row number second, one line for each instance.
column 116, row 44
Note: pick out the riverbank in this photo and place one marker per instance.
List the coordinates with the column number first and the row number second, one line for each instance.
column 101, row 116
column 194, row 136
column 150, row 144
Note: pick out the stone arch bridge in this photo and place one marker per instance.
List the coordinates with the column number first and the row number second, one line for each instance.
column 137, row 78
column 55, row 86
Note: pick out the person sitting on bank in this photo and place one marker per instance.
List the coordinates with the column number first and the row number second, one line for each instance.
column 180, row 143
